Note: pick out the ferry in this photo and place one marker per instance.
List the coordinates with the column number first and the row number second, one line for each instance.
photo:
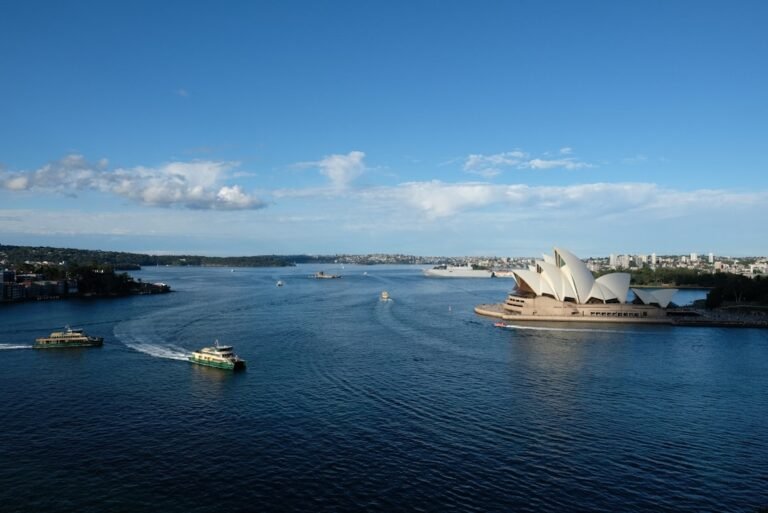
column 67, row 338
column 458, row 271
column 218, row 356
column 320, row 275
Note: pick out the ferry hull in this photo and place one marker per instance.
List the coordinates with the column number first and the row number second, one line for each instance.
column 459, row 273
column 57, row 345
column 238, row 365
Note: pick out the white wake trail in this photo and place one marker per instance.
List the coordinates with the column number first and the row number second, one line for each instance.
column 139, row 336
column 168, row 352
column 544, row 328
column 4, row 347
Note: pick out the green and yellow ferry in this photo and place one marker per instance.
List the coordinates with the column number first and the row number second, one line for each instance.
column 67, row 338
column 221, row 357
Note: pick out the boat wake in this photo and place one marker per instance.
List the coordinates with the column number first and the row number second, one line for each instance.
column 4, row 347
column 544, row 328
column 135, row 335
column 167, row 352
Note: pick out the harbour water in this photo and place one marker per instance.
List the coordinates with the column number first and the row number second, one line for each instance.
column 350, row 403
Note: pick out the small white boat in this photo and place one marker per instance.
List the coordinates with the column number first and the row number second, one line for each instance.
column 280, row 283
column 385, row 296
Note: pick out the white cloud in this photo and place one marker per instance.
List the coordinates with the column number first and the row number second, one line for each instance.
column 492, row 165
column 436, row 200
column 569, row 163
column 17, row 183
column 489, row 166
column 432, row 217
column 341, row 170
column 233, row 198
column 196, row 184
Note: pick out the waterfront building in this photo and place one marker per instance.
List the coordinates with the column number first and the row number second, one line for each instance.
column 624, row 261
column 562, row 288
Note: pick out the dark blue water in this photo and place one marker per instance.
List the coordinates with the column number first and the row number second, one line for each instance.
column 352, row 404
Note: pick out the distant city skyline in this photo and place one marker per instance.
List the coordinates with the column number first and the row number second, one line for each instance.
column 424, row 128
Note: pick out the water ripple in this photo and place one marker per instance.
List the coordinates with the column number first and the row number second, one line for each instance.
column 351, row 404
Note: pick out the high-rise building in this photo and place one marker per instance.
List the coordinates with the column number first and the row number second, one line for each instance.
column 612, row 260
column 624, row 261
column 653, row 258
column 694, row 258
column 711, row 258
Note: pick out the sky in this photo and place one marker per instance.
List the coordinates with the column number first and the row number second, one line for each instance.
column 498, row 128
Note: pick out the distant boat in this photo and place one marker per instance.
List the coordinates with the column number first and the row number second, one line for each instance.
column 456, row 271
column 320, row 275
column 221, row 357
column 67, row 338
column 279, row 283
column 385, row 296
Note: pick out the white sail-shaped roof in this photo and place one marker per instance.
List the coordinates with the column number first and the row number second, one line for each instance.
column 576, row 272
column 553, row 277
column 601, row 292
column 565, row 276
column 664, row 296
column 568, row 290
column 661, row 297
column 528, row 280
column 618, row 283
column 545, row 287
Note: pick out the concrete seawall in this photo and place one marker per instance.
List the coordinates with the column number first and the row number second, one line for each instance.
column 719, row 320
column 496, row 311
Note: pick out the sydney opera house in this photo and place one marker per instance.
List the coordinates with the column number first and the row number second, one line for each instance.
column 561, row 288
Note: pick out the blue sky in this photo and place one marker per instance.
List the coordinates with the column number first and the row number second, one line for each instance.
column 450, row 128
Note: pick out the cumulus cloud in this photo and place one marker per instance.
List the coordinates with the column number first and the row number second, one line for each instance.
column 197, row 184
column 340, row 169
column 436, row 199
column 489, row 166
